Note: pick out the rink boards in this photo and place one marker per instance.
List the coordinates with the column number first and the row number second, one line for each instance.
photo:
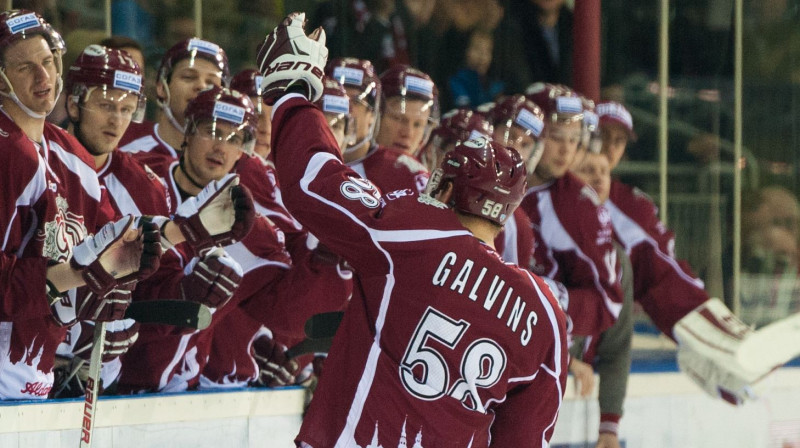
column 663, row 409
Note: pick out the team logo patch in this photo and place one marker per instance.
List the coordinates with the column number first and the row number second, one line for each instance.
column 347, row 75
column 475, row 134
column 204, row 46
column 603, row 216
column 228, row 112
column 127, row 81
column 569, row 105
column 530, row 122
column 335, row 104
column 22, row 23
column 419, row 85
column 479, row 142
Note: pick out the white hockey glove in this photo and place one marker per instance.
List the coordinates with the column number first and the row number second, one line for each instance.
column 709, row 341
column 117, row 254
column 212, row 279
column 221, row 214
column 288, row 57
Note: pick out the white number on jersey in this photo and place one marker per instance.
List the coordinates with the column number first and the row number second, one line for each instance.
column 482, row 365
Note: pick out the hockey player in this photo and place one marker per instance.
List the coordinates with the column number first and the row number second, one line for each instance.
column 574, row 240
column 422, row 349
column 410, row 109
column 186, row 69
column 248, row 81
column 51, row 204
column 713, row 344
column 389, row 170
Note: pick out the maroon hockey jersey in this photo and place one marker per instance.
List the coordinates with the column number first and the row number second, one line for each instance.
column 573, row 244
column 515, row 242
column 51, row 200
column 443, row 341
column 143, row 142
column 391, row 170
column 666, row 288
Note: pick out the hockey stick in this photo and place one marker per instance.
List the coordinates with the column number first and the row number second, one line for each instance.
column 93, row 386
column 180, row 313
column 319, row 329
column 170, row 312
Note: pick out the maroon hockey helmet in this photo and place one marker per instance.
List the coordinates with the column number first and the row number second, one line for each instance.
column 226, row 105
column 20, row 24
column 591, row 126
column 360, row 75
column 520, row 111
column 248, row 81
column 192, row 49
column 456, row 126
column 488, row 179
column 611, row 112
column 105, row 68
column 335, row 104
column 559, row 103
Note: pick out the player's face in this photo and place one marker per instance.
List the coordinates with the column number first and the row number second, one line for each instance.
column 403, row 128
column 338, row 126
column 361, row 113
column 615, row 139
column 32, row 70
column 561, row 142
column 595, row 170
column 264, row 130
column 517, row 138
column 190, row 77
column 104, row 117
column 213, row 150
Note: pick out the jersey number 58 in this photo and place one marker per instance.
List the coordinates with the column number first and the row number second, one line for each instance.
column 482, row 364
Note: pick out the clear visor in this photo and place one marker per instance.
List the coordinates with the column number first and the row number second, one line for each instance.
column 125, row 104
column 343, row 127
column 412, row 112
column 227, row 133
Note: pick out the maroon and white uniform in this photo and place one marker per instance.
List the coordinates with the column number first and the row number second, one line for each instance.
column 666, row 288
column 573, row 244
column 133, row 188
column 444, row 341
column 142, row 140
column 51, row 201
column 515, row 242
column 391, row 170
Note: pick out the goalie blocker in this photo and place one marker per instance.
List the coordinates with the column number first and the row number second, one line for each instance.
column 726, row 357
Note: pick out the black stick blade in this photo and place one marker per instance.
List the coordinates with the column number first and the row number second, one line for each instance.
column 180, row 313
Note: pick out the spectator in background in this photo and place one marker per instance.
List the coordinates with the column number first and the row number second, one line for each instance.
column 470, row 86
column 540, row 33
column 128, row 45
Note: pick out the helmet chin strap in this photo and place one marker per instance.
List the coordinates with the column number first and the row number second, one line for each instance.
column 13, row 96
column 168, row 110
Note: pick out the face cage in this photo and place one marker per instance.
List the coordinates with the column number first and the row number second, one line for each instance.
column 249, row 144
column 349, row 126
column 432, row 154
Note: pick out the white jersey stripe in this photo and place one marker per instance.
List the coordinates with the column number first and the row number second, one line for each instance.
column 248, row 260
column 121, row 195
column 632, row 234
column 510, row 241
column 86, row 173
column 32, row 192
column 559, row 239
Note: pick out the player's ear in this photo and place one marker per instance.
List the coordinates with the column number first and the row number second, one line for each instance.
column 72, row 109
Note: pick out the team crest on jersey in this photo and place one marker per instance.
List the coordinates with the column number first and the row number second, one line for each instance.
column 589, row 193
column 603, row 216
column 61, row 234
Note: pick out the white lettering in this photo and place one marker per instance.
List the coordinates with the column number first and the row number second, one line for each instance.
column 527, row 333
column 461, row 279
column 516, row 314
column 478, row 282
column 440, row 277
column 494, row 291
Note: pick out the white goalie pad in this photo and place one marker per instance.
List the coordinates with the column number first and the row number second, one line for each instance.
column 711, row 341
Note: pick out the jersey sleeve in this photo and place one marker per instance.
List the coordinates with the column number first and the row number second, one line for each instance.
column 332, row 201
column 590, row 274
column 528, row 416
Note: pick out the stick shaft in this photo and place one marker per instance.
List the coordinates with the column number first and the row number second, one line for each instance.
column 93, row 386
